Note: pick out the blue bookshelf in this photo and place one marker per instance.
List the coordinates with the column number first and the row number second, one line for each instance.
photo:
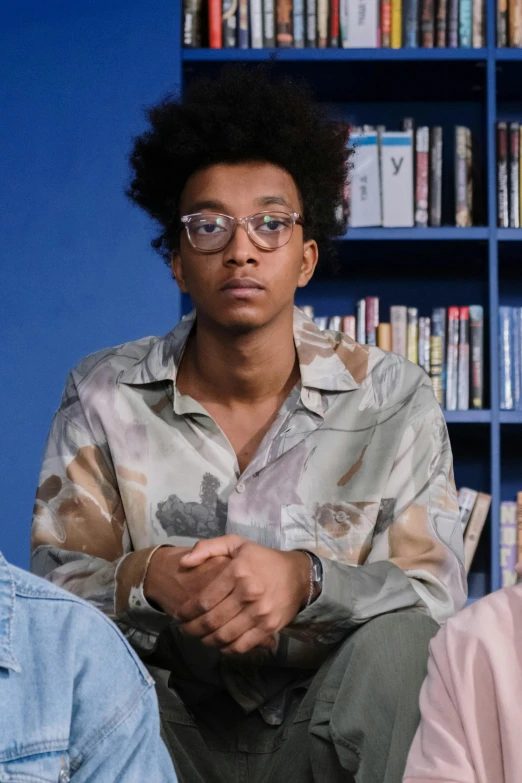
column 433, row 266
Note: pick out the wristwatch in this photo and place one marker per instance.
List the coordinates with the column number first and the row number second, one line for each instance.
column 316, row 577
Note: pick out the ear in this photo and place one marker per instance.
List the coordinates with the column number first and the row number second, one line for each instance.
column 177, row 270
column 309, row 262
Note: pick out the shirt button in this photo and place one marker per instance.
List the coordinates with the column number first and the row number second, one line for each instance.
column 240, row 487
column 341, row 516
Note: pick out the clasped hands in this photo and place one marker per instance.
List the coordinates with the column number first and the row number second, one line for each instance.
column 228, row 591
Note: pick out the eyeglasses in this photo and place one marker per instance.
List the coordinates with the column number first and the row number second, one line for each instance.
column 210, row 232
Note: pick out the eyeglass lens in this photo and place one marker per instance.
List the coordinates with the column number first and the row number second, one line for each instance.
column 212, row 232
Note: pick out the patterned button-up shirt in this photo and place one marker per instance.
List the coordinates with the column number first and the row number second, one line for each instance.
column 356, row 467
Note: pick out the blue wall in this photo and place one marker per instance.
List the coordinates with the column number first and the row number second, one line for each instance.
column 76, row 270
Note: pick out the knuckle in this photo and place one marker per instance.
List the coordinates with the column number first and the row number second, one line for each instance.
column 209, row 625
column 203, row 605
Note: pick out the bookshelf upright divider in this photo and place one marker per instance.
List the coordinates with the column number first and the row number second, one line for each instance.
column 467, row 259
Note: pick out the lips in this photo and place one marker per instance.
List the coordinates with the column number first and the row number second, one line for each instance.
column 241, row 283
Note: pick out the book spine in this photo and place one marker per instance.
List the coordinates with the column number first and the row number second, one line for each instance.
column 506, row 358
column 321, row 321
column 396, row 24
column 436, row 176
column 469, row 174
column 192, row 23
column 452, row 358
column 422, row 152
column 502, row 23
column 334, row 23
column 244, row 31
column 463, row 368
column 441, row 26
column 516, row 336
column 269, row 35
column 478, row 24
column 215, row 31
column 514, row 23
column 508, row 543
column 384, row 336
column 437, row 351
column 322, row 23
column 398, row 320
column 334, row 323
column 428, row 24
column 465, row 23
column 284, row 28
column 361, row 321
column 462, row 177
column 520, row 176
column 311, row 23
column 427, row 345
column 453, row 24
column 519, row 528
column 412, row 335
column 467, row 498
column 348, row 326
column 502, row 176
column 256, row 24
column 476, row 329
column 514, row 175
column 372, row 319
column 423, row 346
column 299, row 24
column 475, row 527
column 410, row 18
column 229, row 22
column 386, row 23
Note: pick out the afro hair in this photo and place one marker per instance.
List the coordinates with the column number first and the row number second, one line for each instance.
column 243, row 115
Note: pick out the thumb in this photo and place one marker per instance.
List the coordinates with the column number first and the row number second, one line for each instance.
column 211, row 547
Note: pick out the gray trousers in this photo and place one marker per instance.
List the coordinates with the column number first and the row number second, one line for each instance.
column 355, row 721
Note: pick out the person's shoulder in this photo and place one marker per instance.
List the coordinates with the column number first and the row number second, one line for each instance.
column 113, row 361
column 73, row 619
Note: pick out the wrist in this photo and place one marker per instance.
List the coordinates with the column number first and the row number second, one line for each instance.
column 151, row 589
column 303, row 570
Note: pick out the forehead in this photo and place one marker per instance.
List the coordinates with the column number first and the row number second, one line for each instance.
column 240, row 188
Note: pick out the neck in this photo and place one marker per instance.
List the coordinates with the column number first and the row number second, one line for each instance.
column 241, row 367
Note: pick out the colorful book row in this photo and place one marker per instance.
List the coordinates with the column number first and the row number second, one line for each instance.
column 509, row 182
column 474, row 508
column 510, row 336
column 509, row 23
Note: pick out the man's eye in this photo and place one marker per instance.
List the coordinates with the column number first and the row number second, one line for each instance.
column 270, row 226
column 208, row 228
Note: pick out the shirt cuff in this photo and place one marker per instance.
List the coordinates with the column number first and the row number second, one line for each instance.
column 130, row 600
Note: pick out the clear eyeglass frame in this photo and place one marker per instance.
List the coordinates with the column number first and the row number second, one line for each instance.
column 231, row 223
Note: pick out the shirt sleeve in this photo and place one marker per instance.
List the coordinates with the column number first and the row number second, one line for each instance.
column 416, row 556
column 79, row 537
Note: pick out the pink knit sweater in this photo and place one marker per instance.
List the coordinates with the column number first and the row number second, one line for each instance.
column 471, row 700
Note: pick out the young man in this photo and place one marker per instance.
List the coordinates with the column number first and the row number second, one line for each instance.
column 313, row 474
column 76, row 702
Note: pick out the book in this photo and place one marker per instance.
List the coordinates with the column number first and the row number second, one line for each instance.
column 398, row 320
column 441, row 23
column 396, row 24
column 463, row 177
column 517, row 345
column 515, row 23
column 452, row 359
column 437, row 353
column 348, row 326
column 386, row 23
column 410, row 22
column 192, row 23
column 506, row 358
column 514, row 175
column 422, row 151
column 269, row 31
column 453, row 24
column 508, row 542
column 502, row 176
column 243, row 35
column 436, row 176
column 372, row 319
column 363, row 24
column 299, row 23
column 384, row 336
column 519, row 528
column 412, row 335
column 397, row 179
column 334, row 23
column 424, row 344
column 474, row 527
column 502, row 23
column 256, row 24
column 365, row 182
column 321, row 321
column 466, row 498
column 465, row 23
column 476, row 329
column 428, row 24
column 322, row 23
column 229, row 22
column 361, row 321
column 284, row 28
column 463, row 366
column 311, row 23
column 215, row 29
column 478, row 24
column 334, row 323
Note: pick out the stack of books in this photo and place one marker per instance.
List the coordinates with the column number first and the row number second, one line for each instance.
column 510, row 539
column 396, row 177
column 508, row 175
column 474, row 508
column 509, row 23
column 348, row 24
column 510, row 349
column 448, row 345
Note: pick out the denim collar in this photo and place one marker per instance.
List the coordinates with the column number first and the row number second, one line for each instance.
column 7, row 610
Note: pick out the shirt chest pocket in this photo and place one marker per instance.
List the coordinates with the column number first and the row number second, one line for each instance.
column 50, row 767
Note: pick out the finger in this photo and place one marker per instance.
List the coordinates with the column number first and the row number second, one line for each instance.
column 211, row 547
column 212, row 621
column 232, row 630
column 209, row 597
column 254, row 637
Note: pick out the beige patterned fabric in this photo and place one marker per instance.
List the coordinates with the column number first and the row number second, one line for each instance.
column 357, row 467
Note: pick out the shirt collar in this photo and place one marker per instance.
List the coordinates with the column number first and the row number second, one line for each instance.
column 328, row 361
column 7, row 610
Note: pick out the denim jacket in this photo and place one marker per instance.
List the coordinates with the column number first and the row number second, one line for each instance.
column 75, row 702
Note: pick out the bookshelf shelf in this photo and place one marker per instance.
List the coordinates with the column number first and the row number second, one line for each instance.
column 468, row 417
column 511, row 55
column 417, row 234
column 509, row 234
column 511, row 417
column 324, row 55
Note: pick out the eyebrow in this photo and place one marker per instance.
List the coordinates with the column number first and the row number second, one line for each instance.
column 219, row 206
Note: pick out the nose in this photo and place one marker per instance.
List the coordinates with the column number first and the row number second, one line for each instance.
column 240, row 250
